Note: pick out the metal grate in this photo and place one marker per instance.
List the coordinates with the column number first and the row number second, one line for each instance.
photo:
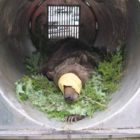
column 63, row 21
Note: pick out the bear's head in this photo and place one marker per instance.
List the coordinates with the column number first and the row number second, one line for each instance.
column 70, row 85
column 70, row 66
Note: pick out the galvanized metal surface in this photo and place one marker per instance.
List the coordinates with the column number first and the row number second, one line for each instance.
column 18, row 120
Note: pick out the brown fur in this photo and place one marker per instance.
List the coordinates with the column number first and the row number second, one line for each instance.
column 71, row 55
column 74, row 56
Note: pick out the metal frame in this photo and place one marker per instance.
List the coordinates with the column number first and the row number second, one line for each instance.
column 64, row 24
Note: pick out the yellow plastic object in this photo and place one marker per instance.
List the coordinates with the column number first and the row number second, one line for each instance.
column 70, row 79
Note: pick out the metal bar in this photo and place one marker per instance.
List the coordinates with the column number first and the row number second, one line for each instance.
column 57, row 20
column 74, row 35
column 69, row 22
column 77, row 33
column 70, row 25
column 65, row 18
column 50, row 22
column 52, row 7
column 122, row 134
column 76, row 22
column 63, row 21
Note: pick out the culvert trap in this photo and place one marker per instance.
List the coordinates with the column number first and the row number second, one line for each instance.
column 103, row 24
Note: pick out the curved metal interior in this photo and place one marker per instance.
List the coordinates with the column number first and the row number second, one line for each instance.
column 118, row 21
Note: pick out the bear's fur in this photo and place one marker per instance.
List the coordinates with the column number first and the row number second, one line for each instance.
column 71, row 55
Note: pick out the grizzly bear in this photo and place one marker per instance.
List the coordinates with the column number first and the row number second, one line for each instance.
column 70, row 65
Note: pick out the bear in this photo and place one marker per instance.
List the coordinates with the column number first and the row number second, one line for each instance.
column 69, row 66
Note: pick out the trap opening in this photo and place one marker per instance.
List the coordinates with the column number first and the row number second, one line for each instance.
column 63, row 21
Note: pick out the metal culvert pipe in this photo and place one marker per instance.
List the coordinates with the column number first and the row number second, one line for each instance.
column 118, row 20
